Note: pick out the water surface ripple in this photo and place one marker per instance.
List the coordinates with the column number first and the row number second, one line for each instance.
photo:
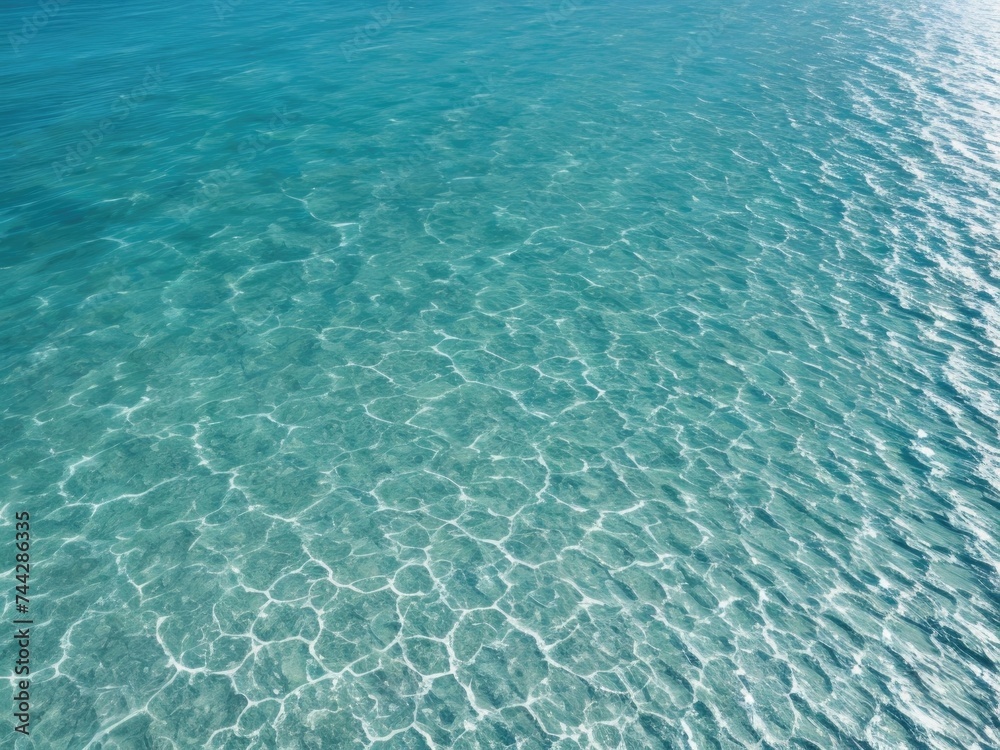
column 509, row 374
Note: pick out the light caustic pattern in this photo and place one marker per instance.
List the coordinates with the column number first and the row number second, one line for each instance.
column 516, row 390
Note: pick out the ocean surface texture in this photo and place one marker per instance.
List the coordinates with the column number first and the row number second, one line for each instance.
column 507, row 374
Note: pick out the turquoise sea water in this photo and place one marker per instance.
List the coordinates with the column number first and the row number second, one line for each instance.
column 510, row 374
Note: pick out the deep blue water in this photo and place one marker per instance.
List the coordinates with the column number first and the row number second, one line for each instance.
column 512, row 374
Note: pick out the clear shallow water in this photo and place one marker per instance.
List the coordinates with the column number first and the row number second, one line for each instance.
column 509, row 375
